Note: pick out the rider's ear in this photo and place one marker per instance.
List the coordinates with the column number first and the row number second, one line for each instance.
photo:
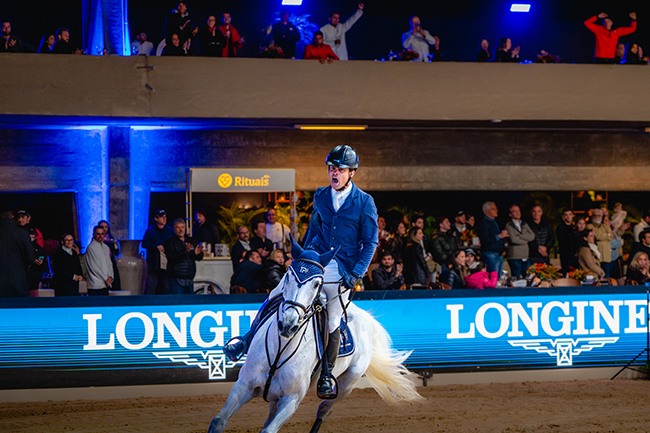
column 296, row 250
column 328, row 256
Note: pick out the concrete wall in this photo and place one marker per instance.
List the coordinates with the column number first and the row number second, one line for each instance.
column 271, row 88
column 114, row 169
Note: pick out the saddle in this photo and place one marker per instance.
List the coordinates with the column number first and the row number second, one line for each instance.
column 347, row 345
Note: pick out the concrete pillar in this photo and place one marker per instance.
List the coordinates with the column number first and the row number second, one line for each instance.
column 119, row 178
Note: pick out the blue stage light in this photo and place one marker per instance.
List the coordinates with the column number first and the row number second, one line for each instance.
column 291, row 2
column 518, row 7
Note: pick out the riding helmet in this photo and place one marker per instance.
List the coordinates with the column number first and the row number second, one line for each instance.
column 343, row 156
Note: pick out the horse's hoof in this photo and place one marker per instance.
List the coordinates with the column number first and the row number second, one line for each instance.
column 215, row 425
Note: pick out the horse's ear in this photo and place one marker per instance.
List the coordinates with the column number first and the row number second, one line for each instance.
column 296, row 250
column 328, row 256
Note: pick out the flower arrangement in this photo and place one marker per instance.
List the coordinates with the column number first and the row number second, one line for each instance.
column 466, row 237
column 579, row 274
column 544, row 272
column 408, row 55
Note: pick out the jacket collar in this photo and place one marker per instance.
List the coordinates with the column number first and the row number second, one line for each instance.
column 347, row 203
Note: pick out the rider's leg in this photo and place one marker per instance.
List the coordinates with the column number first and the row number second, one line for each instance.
column 239, row 345
column 327, row 386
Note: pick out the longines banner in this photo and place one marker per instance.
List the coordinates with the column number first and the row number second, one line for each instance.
column 241, row 180
column 173, row 342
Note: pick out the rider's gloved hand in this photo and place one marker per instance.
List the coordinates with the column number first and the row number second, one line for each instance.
column 350, row 281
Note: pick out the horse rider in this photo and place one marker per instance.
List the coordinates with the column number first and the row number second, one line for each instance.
column 344, row 218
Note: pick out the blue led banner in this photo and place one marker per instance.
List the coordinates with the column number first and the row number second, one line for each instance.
column 133, row 341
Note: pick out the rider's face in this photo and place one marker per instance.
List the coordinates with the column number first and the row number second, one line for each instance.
column 339, row 176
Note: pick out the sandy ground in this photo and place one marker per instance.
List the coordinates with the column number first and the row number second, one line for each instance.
column 577, row 406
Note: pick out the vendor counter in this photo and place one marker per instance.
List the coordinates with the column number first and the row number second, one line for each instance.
column 139, row 340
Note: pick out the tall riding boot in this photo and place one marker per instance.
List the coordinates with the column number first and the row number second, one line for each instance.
column 327, row 388
column 238, row 346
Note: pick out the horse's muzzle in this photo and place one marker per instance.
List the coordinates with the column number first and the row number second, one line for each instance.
column 288, row 325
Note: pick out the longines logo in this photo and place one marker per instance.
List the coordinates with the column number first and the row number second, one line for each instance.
column 556, row 319
column 160, row 329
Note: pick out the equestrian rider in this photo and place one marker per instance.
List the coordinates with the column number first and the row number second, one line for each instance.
column 344, row 217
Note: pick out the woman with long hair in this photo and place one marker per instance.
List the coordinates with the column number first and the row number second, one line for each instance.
column 47, row 42
column 505, row 52
column 396, row 242
column 273, row 270
column 416, row 270
column 588, row 254
column 638, row 272
column 454, row 276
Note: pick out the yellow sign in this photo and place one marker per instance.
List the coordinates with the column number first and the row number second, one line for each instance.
column 225, row 180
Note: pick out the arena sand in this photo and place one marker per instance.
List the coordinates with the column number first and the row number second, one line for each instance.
column 577, row 406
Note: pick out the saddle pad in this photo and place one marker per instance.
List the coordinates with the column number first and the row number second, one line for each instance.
column 347, row 345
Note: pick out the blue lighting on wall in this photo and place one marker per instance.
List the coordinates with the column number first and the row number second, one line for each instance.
column 519, row 7
column 291, row 2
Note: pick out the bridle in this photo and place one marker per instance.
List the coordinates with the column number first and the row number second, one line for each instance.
column 307, row 311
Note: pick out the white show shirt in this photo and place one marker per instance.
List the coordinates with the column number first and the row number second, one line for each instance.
column 278, row 234
column 338, row 197
column 415, row 42
column 145, row 49
column 331, row 34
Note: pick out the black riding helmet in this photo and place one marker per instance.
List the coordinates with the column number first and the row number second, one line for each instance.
column 343, row 156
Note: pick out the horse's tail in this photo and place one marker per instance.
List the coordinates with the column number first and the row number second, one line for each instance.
column 388, row 376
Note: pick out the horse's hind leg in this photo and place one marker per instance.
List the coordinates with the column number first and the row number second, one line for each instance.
column 287, row 406
column 346, row 383
column 239, row 396
column 273, row 408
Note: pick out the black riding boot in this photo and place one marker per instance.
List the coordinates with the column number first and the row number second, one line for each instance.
column 327, row 386
column 238, row 346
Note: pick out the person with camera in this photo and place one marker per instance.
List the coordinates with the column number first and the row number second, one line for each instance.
column 418, row 40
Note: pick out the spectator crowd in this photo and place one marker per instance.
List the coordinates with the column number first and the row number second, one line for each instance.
column 219, row 37
column 462, row 252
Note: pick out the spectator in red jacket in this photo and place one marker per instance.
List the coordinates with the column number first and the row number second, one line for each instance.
column 319, row 51
column 606, row 38
column 233, row 41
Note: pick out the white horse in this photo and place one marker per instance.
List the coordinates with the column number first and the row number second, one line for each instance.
column 282, row 363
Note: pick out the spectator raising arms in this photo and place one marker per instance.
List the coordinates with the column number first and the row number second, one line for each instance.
column 606, row 38
column 334, row 32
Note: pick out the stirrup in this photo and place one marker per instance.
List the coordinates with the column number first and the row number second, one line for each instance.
column 328, row 388
column 232, row 351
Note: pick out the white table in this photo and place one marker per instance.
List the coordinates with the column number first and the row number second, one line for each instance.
column 213, row 270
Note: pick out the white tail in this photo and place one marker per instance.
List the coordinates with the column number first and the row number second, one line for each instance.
column 386, row 373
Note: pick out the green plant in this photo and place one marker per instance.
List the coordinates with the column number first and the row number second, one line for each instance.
column 233, row 217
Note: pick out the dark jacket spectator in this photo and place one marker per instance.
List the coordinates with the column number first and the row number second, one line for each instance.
column 568, row 241
column 286, row 35
column 484, row 54
column 153, row 237
column 452, row 277
column 488, row 233
column 263, row 246
column 272, row 273
column 638, row 272
column 47, row 42
column 211, row 39
column 416, row 270
column 67, row 270
column 443, row 244
column 545, row 237
column 180, row 262
column 37, row 267
column 179, row 23
column 248, row 273
column 639, row 247
column 174, row 50
column 16, row 254
column 204, row 230
column 384, row 279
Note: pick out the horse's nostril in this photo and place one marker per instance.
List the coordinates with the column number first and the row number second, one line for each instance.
column 280, row 326
column 294, row 329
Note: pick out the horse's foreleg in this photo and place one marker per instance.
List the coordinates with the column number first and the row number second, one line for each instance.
column 287, row 406
column 239, row 396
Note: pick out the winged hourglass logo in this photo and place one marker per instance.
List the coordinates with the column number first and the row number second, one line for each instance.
column 564, row 349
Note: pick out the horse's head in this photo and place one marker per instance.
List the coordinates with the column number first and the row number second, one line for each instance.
column 301, row 286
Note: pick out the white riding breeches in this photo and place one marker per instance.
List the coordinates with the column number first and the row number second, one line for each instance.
column 334, row 307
